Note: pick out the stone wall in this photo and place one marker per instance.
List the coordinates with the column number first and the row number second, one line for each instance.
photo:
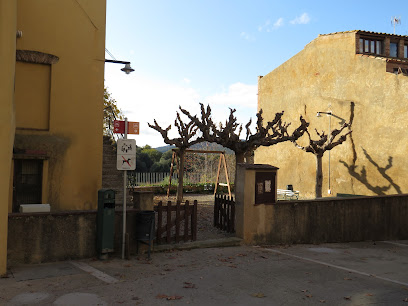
column 46, row 237
column 328, row 220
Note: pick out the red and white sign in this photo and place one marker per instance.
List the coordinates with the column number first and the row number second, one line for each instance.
column 126, row 154
column 119, row 127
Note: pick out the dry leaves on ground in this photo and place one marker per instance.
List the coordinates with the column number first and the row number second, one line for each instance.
column 258, row 295
column 168, row 297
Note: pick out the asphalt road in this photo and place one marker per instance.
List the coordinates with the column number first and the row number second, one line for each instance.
column 334, row 274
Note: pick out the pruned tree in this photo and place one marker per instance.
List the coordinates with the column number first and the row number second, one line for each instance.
column 326, row 142
column 228, row 134
column 187, row 137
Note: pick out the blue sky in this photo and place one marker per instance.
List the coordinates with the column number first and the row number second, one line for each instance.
column 186, row 52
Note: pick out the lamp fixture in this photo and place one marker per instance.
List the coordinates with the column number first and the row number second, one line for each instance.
column 319, row 114
column 127, row 69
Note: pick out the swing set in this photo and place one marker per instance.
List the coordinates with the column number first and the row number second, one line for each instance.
column 222, row 161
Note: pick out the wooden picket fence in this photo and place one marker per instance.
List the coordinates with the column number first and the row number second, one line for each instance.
column 176, row 223
column 224, row 213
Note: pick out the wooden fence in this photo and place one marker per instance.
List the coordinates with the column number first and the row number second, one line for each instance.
column 176, row 223
column 224, row 213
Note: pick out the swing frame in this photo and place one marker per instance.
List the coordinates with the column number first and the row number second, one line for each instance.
column 222, row 160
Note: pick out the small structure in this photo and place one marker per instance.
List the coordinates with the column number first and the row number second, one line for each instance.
column 255, row 189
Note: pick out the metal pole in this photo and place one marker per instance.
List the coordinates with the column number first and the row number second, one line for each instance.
column 329, row 191
column 124, row 200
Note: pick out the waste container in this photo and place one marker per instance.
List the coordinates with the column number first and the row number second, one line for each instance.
column 105, row 225
column 145, row 228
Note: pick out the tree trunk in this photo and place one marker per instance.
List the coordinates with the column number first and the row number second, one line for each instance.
column 319, row 176
column 239, row 159
column 179, row 196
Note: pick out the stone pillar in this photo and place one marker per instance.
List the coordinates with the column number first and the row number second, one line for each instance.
column 8, row 29
column 143, row 200
column 255, row 195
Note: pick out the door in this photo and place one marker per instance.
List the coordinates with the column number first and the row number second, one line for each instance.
column 27, row 182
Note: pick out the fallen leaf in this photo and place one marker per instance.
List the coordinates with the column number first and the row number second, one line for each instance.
column 258, row 295
column 232, row 266
column 263, row 257
column 405, row 300
column 161, row 296
column 322, row 301
column 309, row 295
column 174, row 297
column 189, row 285
column 369, row 294
column 304, row 290
column 347, row 297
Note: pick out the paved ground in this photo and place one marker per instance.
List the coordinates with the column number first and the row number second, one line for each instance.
column 333, row 274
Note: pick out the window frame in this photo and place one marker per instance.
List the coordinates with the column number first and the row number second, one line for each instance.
column 371, row 45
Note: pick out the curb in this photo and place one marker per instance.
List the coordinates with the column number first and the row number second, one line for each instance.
column 212, row 243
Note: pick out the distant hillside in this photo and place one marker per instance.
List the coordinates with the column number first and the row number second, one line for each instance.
column 164, row 149
column 200, row 146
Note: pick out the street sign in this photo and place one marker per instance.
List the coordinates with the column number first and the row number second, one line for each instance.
column 133, row 128
column 126, row 154
column 119, row 127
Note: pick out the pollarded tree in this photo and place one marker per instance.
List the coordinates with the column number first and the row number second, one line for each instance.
column 228, row 134
column 187, row 137
column 326, row 142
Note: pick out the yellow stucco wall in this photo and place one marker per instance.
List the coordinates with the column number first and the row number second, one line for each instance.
column 74, row 31
column 327, row 75
column 7, row 122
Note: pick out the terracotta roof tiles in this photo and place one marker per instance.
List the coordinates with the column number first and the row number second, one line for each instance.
column 360, row 31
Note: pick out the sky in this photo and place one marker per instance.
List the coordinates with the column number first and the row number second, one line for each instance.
column 187, row 52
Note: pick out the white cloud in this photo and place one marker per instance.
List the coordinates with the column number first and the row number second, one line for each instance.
column 302, row 19
column 278, row 23
column 187, row 80
column 143, row 100
column 247, row 36
column 239, row 96
column 265, row 26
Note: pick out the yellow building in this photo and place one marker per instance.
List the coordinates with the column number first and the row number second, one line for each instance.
column 367, row 68
column 52, row 100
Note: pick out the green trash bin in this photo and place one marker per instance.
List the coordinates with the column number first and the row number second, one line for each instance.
column 105, row 225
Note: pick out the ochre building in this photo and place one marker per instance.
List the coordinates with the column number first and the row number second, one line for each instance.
column 52, row 59
column 367, row 68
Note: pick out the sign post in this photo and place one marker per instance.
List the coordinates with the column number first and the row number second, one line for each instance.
column 125, row 160
column 124, row 201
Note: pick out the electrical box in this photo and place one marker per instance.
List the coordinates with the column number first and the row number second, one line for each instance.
column 105, row 226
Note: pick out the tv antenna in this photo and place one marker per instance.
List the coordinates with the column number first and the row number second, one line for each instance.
column 394, row 21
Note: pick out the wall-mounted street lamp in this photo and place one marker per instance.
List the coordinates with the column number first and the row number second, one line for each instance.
column 342, row 121
column 319, row 114
column 127, row 69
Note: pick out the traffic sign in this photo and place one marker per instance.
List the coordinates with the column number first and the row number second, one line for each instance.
column 126, row 154
column 119, row 127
